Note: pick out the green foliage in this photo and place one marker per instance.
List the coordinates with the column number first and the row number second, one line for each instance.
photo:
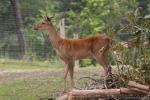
column 123, row 20
column 136, row 56
column 87, row 62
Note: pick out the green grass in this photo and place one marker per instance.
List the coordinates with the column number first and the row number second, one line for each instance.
column 31, row 89
column 34, row 88
column 32, row 84
column 19, row 64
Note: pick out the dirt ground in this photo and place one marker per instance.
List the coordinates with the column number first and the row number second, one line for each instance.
column 12, row 75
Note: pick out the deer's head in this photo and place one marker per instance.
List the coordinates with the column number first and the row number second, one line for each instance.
column 44, row 25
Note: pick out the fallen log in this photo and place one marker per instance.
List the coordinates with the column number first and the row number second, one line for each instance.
column 139, row 86
column 95, row 93
column 138, row 90
column 72, row 98
column 127, row 91
column 84, row 94
column 102, row 93
column 134, row 89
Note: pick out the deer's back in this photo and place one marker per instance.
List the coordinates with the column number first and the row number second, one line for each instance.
column 82, row 48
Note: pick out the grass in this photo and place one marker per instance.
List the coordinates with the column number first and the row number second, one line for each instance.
column 31, row 84
column 30, row 89
column 20, row 64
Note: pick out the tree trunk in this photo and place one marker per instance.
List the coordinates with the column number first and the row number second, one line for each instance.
column 19, row 27
column 62, row 27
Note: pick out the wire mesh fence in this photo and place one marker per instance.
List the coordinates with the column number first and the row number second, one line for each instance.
column 17, row 36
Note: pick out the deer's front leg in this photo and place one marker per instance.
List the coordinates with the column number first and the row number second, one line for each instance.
column 69, row 67
column 65, row 76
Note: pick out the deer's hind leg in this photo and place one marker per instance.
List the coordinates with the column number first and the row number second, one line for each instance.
column 101, row 59
column 65, row 76
column 71, row 71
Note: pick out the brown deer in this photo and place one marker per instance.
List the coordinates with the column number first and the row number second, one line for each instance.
column 70, row 50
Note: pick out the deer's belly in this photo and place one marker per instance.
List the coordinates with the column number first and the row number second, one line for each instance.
column 81, row 54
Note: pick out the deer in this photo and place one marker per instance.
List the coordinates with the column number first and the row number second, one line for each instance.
column 70, row 50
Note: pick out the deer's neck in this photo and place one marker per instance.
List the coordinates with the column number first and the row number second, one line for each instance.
column 54, row 37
